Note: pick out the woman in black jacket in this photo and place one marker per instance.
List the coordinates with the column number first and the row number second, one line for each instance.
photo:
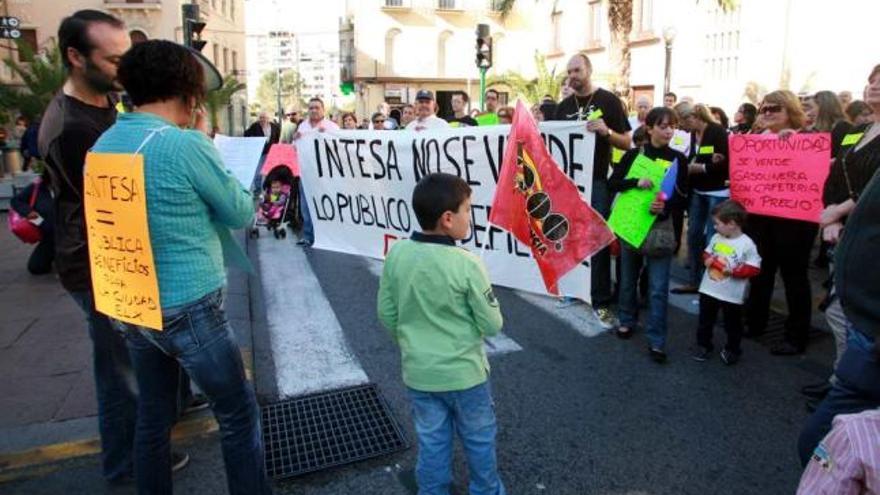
column 783, row 244
column 42, row 213
column 660, row 125
column 708, row 177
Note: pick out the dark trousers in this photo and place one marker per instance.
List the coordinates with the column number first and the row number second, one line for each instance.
column 709, row 307
column 784, row 245
column 600, row 263
column 40, row 262
column 115, row 389
column 856, row 389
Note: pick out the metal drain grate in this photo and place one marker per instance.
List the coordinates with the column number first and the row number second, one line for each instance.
column 329, row 429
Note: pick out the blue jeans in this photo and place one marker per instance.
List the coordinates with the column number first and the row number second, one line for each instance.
column 855, row 389
column 115, row 390
column 700, row 231
column 658, row 293
column 308, row 230
column 438, row 415
column 198, row 338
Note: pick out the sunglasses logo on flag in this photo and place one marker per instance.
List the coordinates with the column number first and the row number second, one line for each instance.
column 547, row 228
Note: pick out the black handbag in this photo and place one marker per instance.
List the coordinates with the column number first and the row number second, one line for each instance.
column 660, row 241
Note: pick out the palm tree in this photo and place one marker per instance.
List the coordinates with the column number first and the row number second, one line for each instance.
column 220, row 98
column 548, row 82
column 42, row 75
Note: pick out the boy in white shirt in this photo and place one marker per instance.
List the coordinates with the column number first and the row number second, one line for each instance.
column 731, row 259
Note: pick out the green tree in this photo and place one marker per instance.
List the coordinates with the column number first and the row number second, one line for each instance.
column 220, row 98
column 548, row 82
column 42, row 75
column 267, row 91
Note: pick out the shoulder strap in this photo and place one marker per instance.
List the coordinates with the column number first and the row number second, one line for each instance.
column 35, row 191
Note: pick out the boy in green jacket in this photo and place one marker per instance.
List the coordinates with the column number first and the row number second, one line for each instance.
column 437, row 302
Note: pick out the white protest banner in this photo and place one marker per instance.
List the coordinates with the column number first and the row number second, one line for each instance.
column 359, row 185
column 241, row 155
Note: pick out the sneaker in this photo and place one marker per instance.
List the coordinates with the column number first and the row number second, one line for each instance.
column 701, row 354
column 606, row 318
column 729, row 357
column 565, row 302
column 657, row 355
column 624, row 332
column 196, row 403
column 303, row 243
column 179, row 460
column 817, row 390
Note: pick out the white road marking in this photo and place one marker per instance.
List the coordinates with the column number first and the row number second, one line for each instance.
column 495, row 346
column 579, row 315
column 689, row 303
column 308, row 345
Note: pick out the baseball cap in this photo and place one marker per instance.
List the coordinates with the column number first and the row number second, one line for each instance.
column 424, row 94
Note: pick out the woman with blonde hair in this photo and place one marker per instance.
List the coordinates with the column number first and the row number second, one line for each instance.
column 708, row 176
column 784, row 245
column 827, row 111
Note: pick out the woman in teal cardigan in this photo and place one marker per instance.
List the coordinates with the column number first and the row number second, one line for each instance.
column 192, row 203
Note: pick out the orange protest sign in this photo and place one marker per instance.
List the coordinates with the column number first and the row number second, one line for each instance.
column 124, row 278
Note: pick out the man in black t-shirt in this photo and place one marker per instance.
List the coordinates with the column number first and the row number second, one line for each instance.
column 604, row 116
column 91, row 45
column 460, row 117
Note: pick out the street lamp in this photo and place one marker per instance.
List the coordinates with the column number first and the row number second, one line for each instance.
column 669, row 33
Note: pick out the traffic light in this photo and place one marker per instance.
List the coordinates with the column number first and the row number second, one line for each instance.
column 192, row 27
column 484, row 47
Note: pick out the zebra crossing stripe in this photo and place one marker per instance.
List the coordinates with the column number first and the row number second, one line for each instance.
column 308, row 346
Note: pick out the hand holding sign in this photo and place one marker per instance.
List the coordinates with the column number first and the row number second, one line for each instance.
column 635, row 210
column 780, row 177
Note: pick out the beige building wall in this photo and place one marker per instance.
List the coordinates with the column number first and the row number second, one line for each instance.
column 762, row 45
column 154, row 19
column 403, row 46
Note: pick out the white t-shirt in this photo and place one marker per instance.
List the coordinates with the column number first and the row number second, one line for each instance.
column 430, row 122
column 734, row 253
column 326, row 124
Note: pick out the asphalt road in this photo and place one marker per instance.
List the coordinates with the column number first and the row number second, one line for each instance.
column 576, row 414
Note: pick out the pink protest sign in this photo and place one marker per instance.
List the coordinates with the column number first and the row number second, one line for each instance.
column 281, row 154
column 780, row 177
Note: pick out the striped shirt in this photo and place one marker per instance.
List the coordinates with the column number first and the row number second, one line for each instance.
column 847, row 461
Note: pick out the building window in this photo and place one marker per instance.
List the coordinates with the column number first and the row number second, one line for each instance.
column 29, row 38
column 232, row 9
column 222, row 6
column 137, row 36
column 442, row 51
column 556, row 26
column 446, row 4
column 645, row 16
column 595, row 28
column 394, row 3
column 390, row 49
column 225, row 61
column 216, row 55
column 235, row 62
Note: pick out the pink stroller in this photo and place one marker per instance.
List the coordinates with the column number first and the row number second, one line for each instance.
column 272, row 211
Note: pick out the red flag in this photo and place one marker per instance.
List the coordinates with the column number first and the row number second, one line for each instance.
column 281, row 154
column 541, row 206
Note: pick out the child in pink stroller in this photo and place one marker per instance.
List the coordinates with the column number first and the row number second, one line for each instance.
column 274, row 204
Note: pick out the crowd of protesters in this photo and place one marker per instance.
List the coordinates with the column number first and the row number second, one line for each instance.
column 193, row 202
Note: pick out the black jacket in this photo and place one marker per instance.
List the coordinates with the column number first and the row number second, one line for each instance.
column 256, row 130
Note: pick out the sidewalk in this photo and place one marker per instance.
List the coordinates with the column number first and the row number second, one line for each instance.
column 47, row 395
